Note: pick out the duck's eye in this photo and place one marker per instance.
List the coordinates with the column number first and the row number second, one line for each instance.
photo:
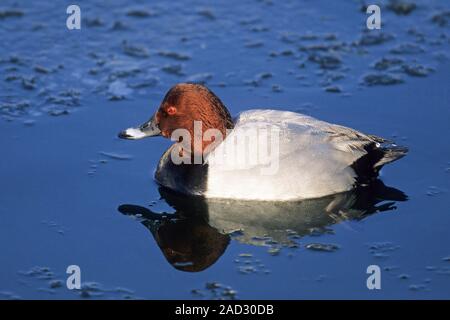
column 171, row 110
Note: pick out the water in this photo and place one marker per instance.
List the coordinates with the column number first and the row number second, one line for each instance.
column 65, row 176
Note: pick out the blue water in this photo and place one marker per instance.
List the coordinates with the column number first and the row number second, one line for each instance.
column 64, row 96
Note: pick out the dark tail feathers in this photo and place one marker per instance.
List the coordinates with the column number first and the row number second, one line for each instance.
column 390, row 154
column 368, row 166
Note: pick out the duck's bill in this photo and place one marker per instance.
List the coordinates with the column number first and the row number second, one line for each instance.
column 148, row 129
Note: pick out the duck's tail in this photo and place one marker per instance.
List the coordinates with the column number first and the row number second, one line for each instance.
column 378, row 154
column 390, row 154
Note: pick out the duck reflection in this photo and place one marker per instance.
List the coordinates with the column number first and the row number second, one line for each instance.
column 197, row 234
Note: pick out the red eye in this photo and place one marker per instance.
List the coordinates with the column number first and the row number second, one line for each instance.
column 171, row 111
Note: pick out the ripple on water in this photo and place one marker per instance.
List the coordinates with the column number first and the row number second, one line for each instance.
column 38, row 274
column 119, row 26
column 93, row 22
column 324, row 247
column 96, row 290
column 247, row 264
column 41, row 69
column 371, row 39
column 54, row 226
column 215, row 291
column 404, row 276
column 382, row 250
column 134, row 50
column 7, row 295
column 333, row 89
column 174, row 55
column 173, row 68
column 326, row 61
column 206, row 13
column 277, row 88
column 11, row 109
column 381, row 79
column 141, row 13
column 10, row 13
column 442, row 19
column 254, row 44
column 417, row 287
column 434, row 191
column 416, row 70
column 116, row 156
column 118, row 90
column 201, row 78
column 386, row 63
column 407, row 48
column 258, row 79
column 401, row 7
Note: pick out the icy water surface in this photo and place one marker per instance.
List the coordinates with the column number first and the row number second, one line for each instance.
column 71, row 192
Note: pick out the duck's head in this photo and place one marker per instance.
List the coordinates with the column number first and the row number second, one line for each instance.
column 183, row 104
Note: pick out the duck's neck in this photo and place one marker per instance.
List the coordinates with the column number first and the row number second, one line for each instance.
column 204, row 137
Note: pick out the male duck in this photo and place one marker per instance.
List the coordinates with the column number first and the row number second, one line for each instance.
column 313, row 158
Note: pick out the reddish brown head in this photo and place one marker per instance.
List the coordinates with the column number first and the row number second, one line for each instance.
column 183, row 104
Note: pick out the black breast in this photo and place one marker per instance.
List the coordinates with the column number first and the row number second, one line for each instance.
column 184, row 178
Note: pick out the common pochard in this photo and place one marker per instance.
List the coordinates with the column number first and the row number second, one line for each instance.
column 261, row 154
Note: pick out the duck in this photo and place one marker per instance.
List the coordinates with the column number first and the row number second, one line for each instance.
column 261, row 154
